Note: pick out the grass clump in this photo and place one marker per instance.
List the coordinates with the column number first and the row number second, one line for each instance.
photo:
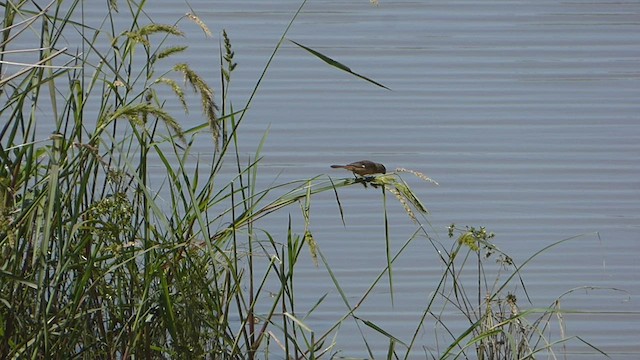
column 100, row 258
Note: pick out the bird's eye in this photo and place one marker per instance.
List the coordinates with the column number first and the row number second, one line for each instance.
column 362, row 165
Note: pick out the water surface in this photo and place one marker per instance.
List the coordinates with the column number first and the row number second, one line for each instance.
column 526, row 113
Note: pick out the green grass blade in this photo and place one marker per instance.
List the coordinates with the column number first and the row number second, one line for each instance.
column 338, row 65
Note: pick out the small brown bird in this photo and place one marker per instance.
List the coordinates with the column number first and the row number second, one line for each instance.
column 363, row 168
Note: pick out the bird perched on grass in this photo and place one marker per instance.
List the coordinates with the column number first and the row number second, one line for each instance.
column 363, row 168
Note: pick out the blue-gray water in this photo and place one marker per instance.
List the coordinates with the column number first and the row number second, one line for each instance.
column 527, row 113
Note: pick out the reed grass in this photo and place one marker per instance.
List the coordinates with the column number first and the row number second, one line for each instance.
column 101, row 260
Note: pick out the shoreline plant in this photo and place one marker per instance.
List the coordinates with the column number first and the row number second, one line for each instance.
column 101, row 260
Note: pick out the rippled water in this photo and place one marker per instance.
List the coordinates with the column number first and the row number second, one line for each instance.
column 526, row 113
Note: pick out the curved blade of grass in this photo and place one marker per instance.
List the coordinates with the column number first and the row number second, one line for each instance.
column 387, row 243
column 338, row 65
column 168, row 312
column 315, row 306
column 381, row 330
column 5, row 275
column 335, row 191
column 299, row 322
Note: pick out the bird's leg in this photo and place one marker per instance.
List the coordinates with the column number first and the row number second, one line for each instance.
column 370, row 180
column 361, row 180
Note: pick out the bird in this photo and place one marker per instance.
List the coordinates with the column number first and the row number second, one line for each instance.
column 363, row 168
